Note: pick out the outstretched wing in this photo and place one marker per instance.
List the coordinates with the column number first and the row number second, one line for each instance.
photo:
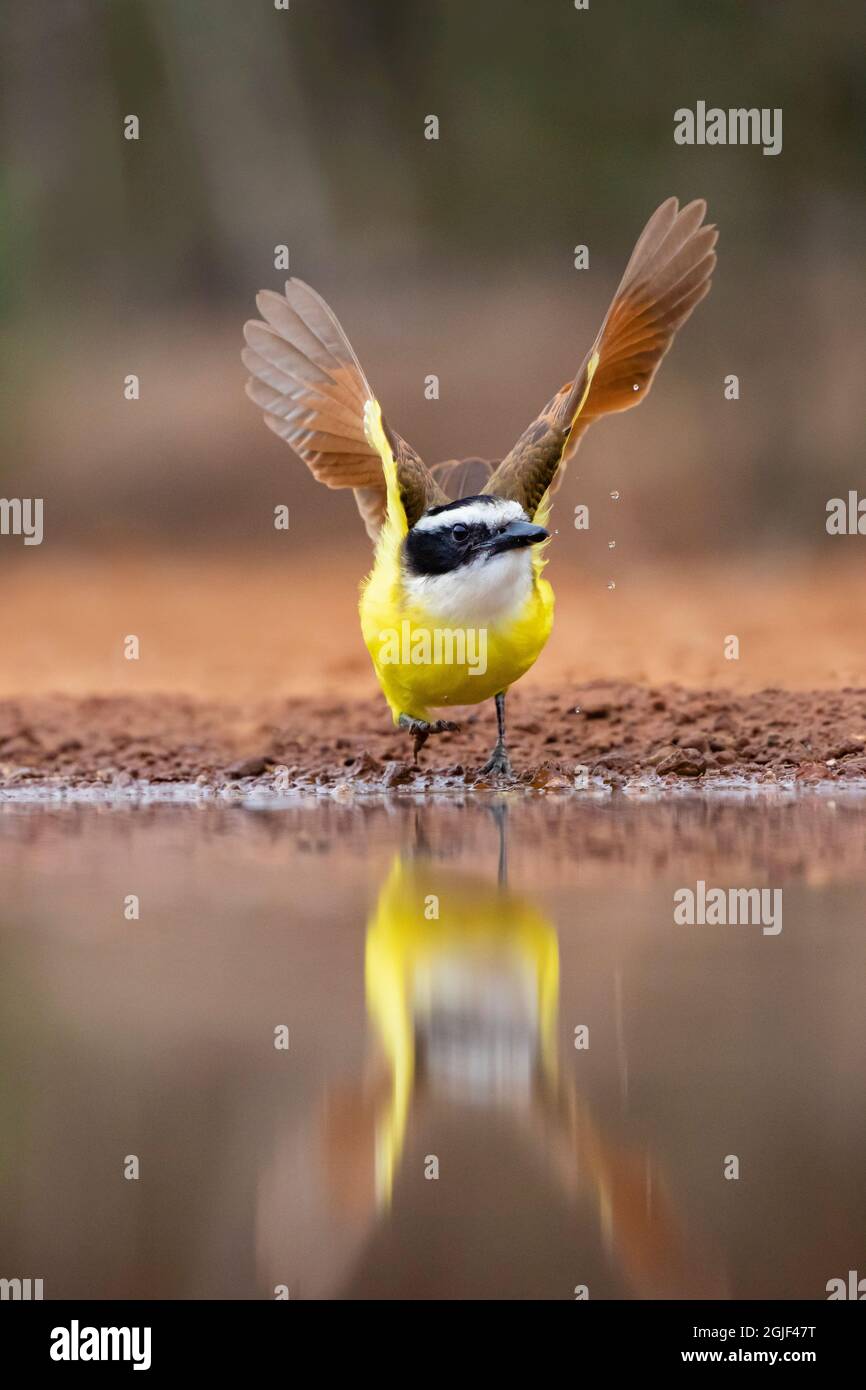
column 315, row 395
column 668, row 274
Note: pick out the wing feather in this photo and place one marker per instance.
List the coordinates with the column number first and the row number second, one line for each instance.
column 305, row 377
column 669, row 272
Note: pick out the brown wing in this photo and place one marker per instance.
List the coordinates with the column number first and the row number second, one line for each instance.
column 668, row 274
column 312, row 389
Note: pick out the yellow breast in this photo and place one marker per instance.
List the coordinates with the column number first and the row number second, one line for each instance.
column 434, row 647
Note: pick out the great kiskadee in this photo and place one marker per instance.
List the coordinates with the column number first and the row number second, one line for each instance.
column 456, row 607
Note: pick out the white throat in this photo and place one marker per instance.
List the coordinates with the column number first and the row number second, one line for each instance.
column 488, row 591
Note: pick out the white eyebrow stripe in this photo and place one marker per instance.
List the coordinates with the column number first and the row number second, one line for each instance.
column 488, row 513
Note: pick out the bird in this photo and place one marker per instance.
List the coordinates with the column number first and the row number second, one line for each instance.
column 456, row 607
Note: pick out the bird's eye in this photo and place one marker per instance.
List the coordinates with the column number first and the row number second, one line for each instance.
column 460, row 532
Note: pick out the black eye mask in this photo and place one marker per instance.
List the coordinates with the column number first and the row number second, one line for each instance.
column 445, row 548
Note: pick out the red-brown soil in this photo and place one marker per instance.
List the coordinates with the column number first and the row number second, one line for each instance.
column 616, row 731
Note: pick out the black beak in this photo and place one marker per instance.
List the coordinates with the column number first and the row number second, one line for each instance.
column 515, row 536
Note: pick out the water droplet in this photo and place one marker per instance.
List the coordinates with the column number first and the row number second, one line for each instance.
column 612, row 584
column 611, row 545
column 635, row 387
column 614, row 497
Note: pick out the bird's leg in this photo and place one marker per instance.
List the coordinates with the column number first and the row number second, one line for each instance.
column 421, row 729
column 498, row 760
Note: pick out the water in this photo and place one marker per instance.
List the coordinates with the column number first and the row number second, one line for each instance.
column 419, row 1042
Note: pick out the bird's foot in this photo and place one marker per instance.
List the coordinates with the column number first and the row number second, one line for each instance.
column 421, row 729
column 498, row 763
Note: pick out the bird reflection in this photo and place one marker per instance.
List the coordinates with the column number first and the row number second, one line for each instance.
column 462, row 990
column 462, row 981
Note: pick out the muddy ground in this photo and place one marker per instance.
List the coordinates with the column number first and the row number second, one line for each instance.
column 616, row 731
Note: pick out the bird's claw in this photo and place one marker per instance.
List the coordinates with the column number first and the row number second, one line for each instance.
column 421, row 729
column 498, row 763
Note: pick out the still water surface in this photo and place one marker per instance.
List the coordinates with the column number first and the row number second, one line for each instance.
column 434, row 965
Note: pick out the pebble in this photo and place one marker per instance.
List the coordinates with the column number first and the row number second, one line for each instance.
column 684, row 762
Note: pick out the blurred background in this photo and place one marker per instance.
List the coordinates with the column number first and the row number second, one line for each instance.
column 305, row 128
